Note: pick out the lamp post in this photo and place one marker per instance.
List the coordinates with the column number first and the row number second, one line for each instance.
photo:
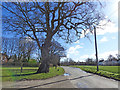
column 96, row 48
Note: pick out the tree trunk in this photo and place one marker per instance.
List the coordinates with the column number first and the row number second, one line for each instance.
column 21, row 67
column 44, row 66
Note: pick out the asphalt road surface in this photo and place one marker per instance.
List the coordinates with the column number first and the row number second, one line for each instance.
column 81, row 79
column 76, row 79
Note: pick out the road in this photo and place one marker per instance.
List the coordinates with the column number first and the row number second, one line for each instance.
column 81, row 79
column 76, row 79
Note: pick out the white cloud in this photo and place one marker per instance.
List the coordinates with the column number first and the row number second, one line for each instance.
column 103, row 28
column 108, row 28
column 77, row 41
column 104, row 39
column 113, row 37
column 100, row 55
column 103, row 55
column 106, row 54
column 84, row 56
column 73, row 50
column 84, row 33
column 82, row 43
column 78, row 46
column 114, row 8
column 87, row 56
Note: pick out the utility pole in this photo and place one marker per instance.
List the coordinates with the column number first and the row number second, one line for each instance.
column 96, row 48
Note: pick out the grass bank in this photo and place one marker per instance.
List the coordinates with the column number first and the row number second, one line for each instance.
column 106, row 71
column 14, row 74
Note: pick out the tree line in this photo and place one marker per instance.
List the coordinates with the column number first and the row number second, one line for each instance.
column 91, row 61
column 21, row 50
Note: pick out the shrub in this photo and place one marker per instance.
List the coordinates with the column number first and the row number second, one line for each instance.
column 32, row 63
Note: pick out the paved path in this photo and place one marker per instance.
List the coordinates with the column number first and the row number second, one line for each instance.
column 81, row 79
column 77, row 79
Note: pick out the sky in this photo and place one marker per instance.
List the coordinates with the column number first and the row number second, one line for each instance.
column 107, row 38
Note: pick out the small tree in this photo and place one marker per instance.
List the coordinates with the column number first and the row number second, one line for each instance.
column 56, row 52
column 110, row 58
column 90, row 61
column 118, row 57
column 9, row 47
column 26, row 47
column 71, row 61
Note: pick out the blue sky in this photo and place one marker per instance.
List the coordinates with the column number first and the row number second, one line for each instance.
column 107, row 38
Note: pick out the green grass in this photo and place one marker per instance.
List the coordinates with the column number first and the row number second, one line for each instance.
column 107, row 71
column 8, row 73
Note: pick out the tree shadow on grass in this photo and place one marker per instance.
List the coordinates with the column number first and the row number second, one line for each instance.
column 24, row 74
column 19, row 75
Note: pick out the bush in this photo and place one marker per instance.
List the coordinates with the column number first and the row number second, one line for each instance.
column 32, row 63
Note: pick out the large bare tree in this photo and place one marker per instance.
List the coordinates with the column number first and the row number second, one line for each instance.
column 48, row 20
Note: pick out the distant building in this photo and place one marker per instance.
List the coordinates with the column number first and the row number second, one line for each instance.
column 3, row 58
column 119, row 62
column 110, row 62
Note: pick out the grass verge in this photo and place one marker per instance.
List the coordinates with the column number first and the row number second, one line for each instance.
column 14, row 74
column 106, row 71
